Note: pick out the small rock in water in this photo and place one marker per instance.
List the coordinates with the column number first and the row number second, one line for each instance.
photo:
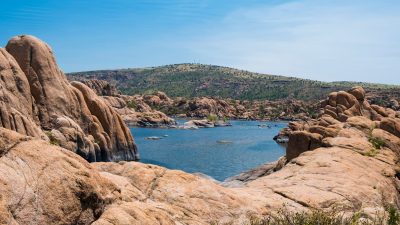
column 153, row 138
column 221, row 123
column 165, row 135
column 281, row 139
column 224, row 142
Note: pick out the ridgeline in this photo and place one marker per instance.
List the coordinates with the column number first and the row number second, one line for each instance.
column 196, row 80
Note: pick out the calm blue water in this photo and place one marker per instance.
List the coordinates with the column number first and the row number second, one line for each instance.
column 199, row 150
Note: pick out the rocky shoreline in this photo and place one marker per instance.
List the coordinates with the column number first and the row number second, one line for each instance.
column 159, row 110
column 346, row 157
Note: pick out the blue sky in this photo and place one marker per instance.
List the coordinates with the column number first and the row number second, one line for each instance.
column 322, row 40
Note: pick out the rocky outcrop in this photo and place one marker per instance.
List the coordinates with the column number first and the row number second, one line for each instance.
column 201, row 107
column 342, row 105
column 346, row 159
column 46, row 184
column 135, row 112
column 18, row 110
column 344, row 115
column 101, row 87
column 301, row 141
column 195, row 124
column 36, row 97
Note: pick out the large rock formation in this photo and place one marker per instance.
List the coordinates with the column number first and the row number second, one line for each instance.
column 346, row 159
column 343, row 175
column 36, row 97
column 18, row 110
column 201, row 107
column 135, row 112
column 133, row 109
column 46, row 184
column 341, row 111
column 101, row 87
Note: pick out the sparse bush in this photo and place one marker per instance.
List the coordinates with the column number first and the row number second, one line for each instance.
column 212, row 118
column 284, row 216
column 53, row 140
column 394, row 216
column 261, row 111
column 221, row 81
column 131, row 105
column 371, row 153
column 376, row 142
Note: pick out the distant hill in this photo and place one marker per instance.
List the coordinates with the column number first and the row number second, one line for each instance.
column 192, row 80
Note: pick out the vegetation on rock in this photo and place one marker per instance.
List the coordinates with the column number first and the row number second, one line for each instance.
column 195, row 80
column 284, row 216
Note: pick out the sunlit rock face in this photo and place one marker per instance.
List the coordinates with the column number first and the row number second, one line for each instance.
column 346, row 159
column 37, row 100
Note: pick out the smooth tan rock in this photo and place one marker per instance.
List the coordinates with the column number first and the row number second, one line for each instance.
column 358, row 92
column 324, row 131
column 114, row 137
column 45, row 97
column 391, row 125
column 332, row 177
column 17, row 109
column 41, row 183
column 172, row 197
column 45, row 184
column 390, row 140
column 302, row 141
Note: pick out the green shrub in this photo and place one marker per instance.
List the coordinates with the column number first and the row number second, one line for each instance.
column 131, row 105
column 212, row 118
column 261, row 111
column 376, row 142
column 394, row 216
column 53, row 140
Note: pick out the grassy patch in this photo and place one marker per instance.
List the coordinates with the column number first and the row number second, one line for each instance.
column 131, row 105
column 319, row 217
column 371, row 153
column 53, row 140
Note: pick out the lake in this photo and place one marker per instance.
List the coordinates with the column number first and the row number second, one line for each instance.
column 219, row 152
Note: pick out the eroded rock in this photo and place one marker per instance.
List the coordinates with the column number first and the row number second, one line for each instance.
column 35, row 96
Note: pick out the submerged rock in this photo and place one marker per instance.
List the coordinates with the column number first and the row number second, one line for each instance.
column 224, row 142
column 221, row 123
column 153, row 138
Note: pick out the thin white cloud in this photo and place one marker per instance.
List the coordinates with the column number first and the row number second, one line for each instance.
column 323, row 41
